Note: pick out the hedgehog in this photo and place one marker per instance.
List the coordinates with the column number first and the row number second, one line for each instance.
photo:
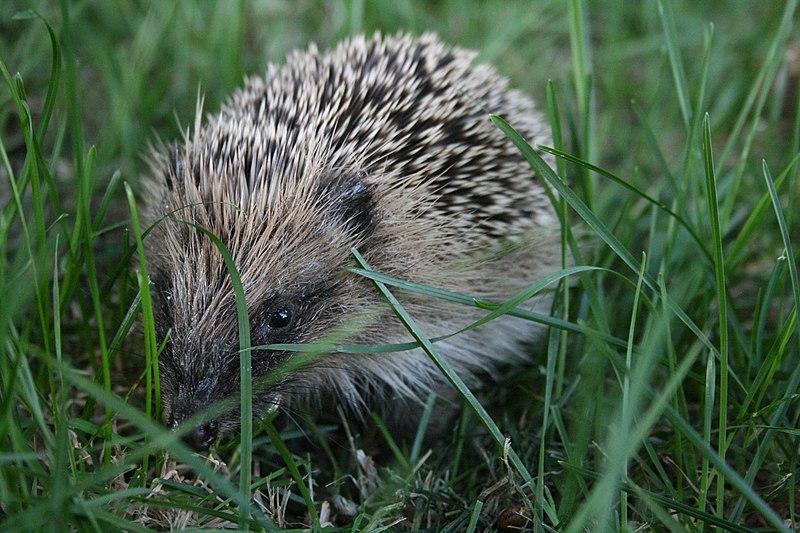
column 382, row 145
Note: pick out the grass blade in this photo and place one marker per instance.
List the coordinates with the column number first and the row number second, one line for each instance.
column 499, row 439
column 722, row 298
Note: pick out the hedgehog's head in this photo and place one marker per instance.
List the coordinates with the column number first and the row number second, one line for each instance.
column 290, row 240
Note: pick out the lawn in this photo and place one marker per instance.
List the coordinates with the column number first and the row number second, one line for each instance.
column 664, row 395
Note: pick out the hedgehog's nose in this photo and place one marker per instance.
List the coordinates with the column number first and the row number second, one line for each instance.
column 201, row 437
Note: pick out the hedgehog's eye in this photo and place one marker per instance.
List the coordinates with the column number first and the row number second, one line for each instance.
column 280, row 318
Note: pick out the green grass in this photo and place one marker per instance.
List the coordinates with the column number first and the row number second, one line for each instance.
column 665, row 395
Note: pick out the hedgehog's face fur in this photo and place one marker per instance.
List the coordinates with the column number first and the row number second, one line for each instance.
column 291, row 258
column 291, row 247
column 382, row 144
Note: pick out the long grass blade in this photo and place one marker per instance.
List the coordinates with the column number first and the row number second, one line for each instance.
column 499, row 439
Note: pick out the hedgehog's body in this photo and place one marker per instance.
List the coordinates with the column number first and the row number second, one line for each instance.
column 384, row 145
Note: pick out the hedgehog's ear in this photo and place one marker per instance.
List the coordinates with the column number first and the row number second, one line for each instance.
column 351, row 202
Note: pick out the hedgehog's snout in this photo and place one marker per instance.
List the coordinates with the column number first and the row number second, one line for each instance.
column 201, row 437
column 190, row 401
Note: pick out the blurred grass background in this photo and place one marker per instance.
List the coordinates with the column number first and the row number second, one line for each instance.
column 142, row 63
column 632, row 83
